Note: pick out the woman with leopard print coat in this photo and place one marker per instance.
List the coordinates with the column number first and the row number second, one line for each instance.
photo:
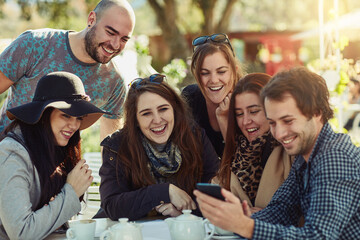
column 254, row 164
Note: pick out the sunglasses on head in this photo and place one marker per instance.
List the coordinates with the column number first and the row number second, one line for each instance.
column 154, row 78
column 218, row 38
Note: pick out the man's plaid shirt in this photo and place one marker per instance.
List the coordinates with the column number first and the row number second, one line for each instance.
column 326, row 191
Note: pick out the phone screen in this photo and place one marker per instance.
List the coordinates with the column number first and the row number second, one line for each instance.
column 213, row 190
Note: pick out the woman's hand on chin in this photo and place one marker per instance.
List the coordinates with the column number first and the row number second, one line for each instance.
column 223, row 108
column 222, row 112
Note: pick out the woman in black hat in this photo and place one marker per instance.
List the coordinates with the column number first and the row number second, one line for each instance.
column 42, row 176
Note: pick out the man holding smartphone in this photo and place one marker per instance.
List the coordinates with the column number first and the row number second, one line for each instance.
column 324, row 182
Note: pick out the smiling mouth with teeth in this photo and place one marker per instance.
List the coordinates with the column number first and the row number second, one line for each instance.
column 288, row 141
column 108, row 50
column 159, row 129
column 66, row 134
column 250, row 130
column 216, row 88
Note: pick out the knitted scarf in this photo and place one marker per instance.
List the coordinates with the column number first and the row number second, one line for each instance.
column 162, row 164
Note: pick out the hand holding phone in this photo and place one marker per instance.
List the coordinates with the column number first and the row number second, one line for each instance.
column 213, row 190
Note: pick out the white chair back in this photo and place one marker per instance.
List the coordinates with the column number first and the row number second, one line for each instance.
column 92, row 195
column 93, row 159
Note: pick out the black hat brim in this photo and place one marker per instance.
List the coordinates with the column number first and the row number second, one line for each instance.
column 31, row 113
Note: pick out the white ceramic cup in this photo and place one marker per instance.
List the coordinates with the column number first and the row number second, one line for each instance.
column 207, row 224
column 101, row 225
column 81, row 229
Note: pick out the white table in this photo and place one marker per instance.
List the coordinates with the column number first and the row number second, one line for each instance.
column 151, row 230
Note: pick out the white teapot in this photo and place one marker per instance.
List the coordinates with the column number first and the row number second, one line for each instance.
column 123, row 231
column 188, row 226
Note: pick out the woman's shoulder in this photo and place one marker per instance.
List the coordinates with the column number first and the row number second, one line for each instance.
column 14, row 141
column 113, row 140
column 279, row 159
column 194, row 98
column 279, row 152
column 192, row 88
column 11, row 149
column 191, row 91
column 197, row 128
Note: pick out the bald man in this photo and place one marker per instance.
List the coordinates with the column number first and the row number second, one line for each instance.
column 88, row 54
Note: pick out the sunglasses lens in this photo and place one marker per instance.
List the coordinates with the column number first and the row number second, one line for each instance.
column 199, row 40
column 135, row 82
column 138, row 82
column 218, row 38
column 157, row 78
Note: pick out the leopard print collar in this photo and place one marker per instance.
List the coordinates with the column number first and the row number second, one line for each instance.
column 247, row 162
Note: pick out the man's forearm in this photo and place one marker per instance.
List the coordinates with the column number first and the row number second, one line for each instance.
column 245, row 227
column 5, row 82
column 108, row 126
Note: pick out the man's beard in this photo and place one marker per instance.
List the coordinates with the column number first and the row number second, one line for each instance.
column 91, row 46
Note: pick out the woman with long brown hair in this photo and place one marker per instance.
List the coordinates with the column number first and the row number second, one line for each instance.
column 155, row 160
column 216, row 70
column 42, row 175
column 254, row 164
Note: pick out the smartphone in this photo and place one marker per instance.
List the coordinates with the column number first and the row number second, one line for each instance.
column 213, row 190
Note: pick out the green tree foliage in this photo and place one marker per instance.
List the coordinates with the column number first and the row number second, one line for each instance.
column 91, row 138
column 176, row 19
column 2, row 2
column 167, row 17
column 58, row 13
column 172, row 22
column 3, row 97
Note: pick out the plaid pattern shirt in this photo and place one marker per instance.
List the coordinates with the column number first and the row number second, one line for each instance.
column 326, row 191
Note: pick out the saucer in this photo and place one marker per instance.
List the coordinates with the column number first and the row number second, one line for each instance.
column 219, row 237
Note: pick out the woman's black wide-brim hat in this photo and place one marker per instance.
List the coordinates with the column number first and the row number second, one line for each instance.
column 64, row 91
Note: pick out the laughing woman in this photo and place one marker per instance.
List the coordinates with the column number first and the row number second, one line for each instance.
column 42, row 175
column 152, row 164
column 216, row 71
column 254, row 164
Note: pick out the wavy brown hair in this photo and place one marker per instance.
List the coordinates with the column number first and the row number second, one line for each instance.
column 307, row 88
column 52, row 162
column 210, row 48
column 251, row 83
column 185, row 135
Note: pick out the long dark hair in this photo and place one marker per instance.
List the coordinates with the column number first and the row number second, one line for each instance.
column 185, row 135
column 52, row 162
column 252, row 83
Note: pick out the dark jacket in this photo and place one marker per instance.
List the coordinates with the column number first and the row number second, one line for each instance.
column 196, row 101
column 120, row 199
